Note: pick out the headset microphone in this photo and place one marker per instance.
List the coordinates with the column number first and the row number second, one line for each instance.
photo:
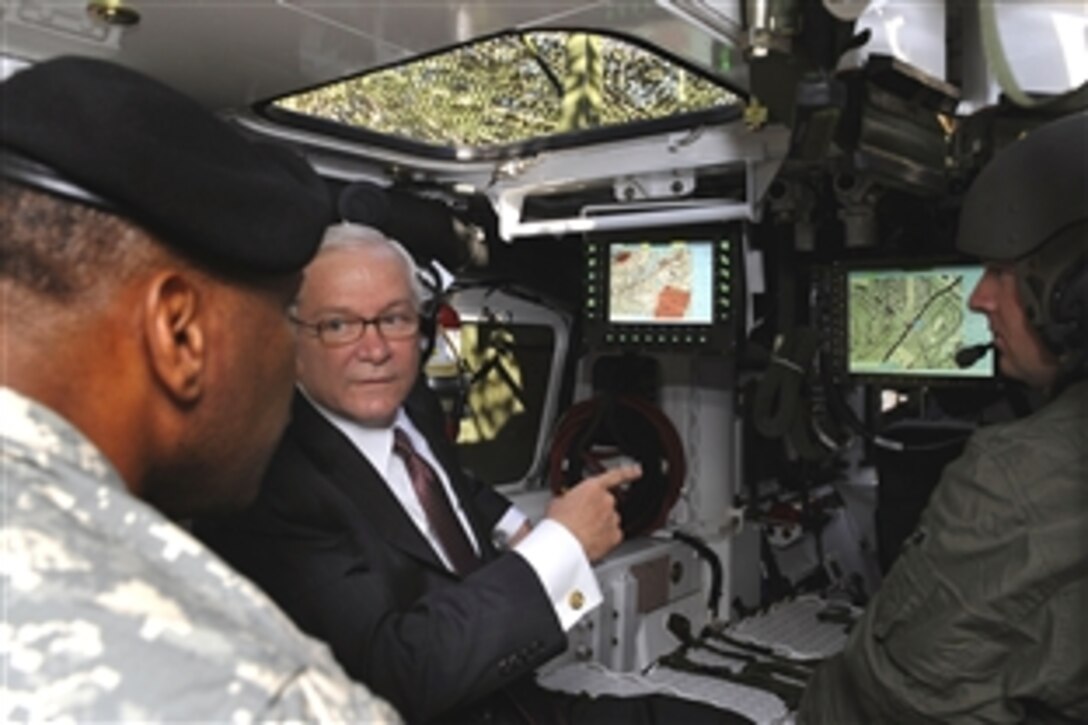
column 968, row 356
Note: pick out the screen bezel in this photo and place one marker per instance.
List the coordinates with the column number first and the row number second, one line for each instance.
column 984, row 371
column 604, row 331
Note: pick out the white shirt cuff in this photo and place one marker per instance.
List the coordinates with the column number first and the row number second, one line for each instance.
column 508, row 526
column 562, row 567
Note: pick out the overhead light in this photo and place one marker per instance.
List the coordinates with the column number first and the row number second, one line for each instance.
column 113, row 12
column 71, row 23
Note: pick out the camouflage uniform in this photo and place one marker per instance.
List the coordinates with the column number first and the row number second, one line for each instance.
column 984, row 617
column 113, row 613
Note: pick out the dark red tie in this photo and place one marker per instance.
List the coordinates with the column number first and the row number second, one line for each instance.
column 436, row 505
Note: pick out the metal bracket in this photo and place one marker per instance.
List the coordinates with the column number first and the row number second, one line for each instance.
column 758, row 154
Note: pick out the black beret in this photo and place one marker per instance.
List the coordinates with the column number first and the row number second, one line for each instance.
column 106, row 135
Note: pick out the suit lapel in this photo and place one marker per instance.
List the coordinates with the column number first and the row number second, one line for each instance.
column 347, row 469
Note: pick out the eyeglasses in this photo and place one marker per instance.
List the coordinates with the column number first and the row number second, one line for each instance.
column 344, row 329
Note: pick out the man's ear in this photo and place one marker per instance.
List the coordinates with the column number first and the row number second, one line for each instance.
column 175, row 334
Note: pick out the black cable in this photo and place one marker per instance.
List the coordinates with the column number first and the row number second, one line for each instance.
column 803, row 662
column 713, row 561
column 755, row 672
column 789, row 693
column 778, row 393
column 780, row 409
column 680, row 627
column 775, row 585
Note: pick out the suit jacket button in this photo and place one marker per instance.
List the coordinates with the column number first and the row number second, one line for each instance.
column 576, row 600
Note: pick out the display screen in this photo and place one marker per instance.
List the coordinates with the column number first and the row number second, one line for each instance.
column 911, row 322
column 661, row 283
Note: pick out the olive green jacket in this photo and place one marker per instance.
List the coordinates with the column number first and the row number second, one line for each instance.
column 984, row 617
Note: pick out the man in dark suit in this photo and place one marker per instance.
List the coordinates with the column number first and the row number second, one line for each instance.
column 420, row 604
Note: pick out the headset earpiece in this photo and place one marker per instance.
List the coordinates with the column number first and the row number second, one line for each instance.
column 1053, row 282
column 1068, row 311
column 429, row 279
column 428, row 313
column 1069, row 299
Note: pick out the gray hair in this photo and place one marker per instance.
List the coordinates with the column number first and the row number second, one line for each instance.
column 348, row 235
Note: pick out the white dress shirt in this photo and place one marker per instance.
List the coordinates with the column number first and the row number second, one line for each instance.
column 550, row 549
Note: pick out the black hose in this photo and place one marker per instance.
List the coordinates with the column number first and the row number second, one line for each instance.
column 713, row 561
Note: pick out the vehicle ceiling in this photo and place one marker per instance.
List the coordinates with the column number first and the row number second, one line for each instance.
column 231, row 53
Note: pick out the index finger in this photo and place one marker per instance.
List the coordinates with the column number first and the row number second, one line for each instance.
column 618, row 476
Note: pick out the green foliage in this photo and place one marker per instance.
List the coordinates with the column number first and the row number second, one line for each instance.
column 513, row 88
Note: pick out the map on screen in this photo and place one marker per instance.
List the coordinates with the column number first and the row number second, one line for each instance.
column 913, row 321
column 663, row 283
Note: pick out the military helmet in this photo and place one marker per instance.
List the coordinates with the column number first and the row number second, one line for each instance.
column 1029, row 205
